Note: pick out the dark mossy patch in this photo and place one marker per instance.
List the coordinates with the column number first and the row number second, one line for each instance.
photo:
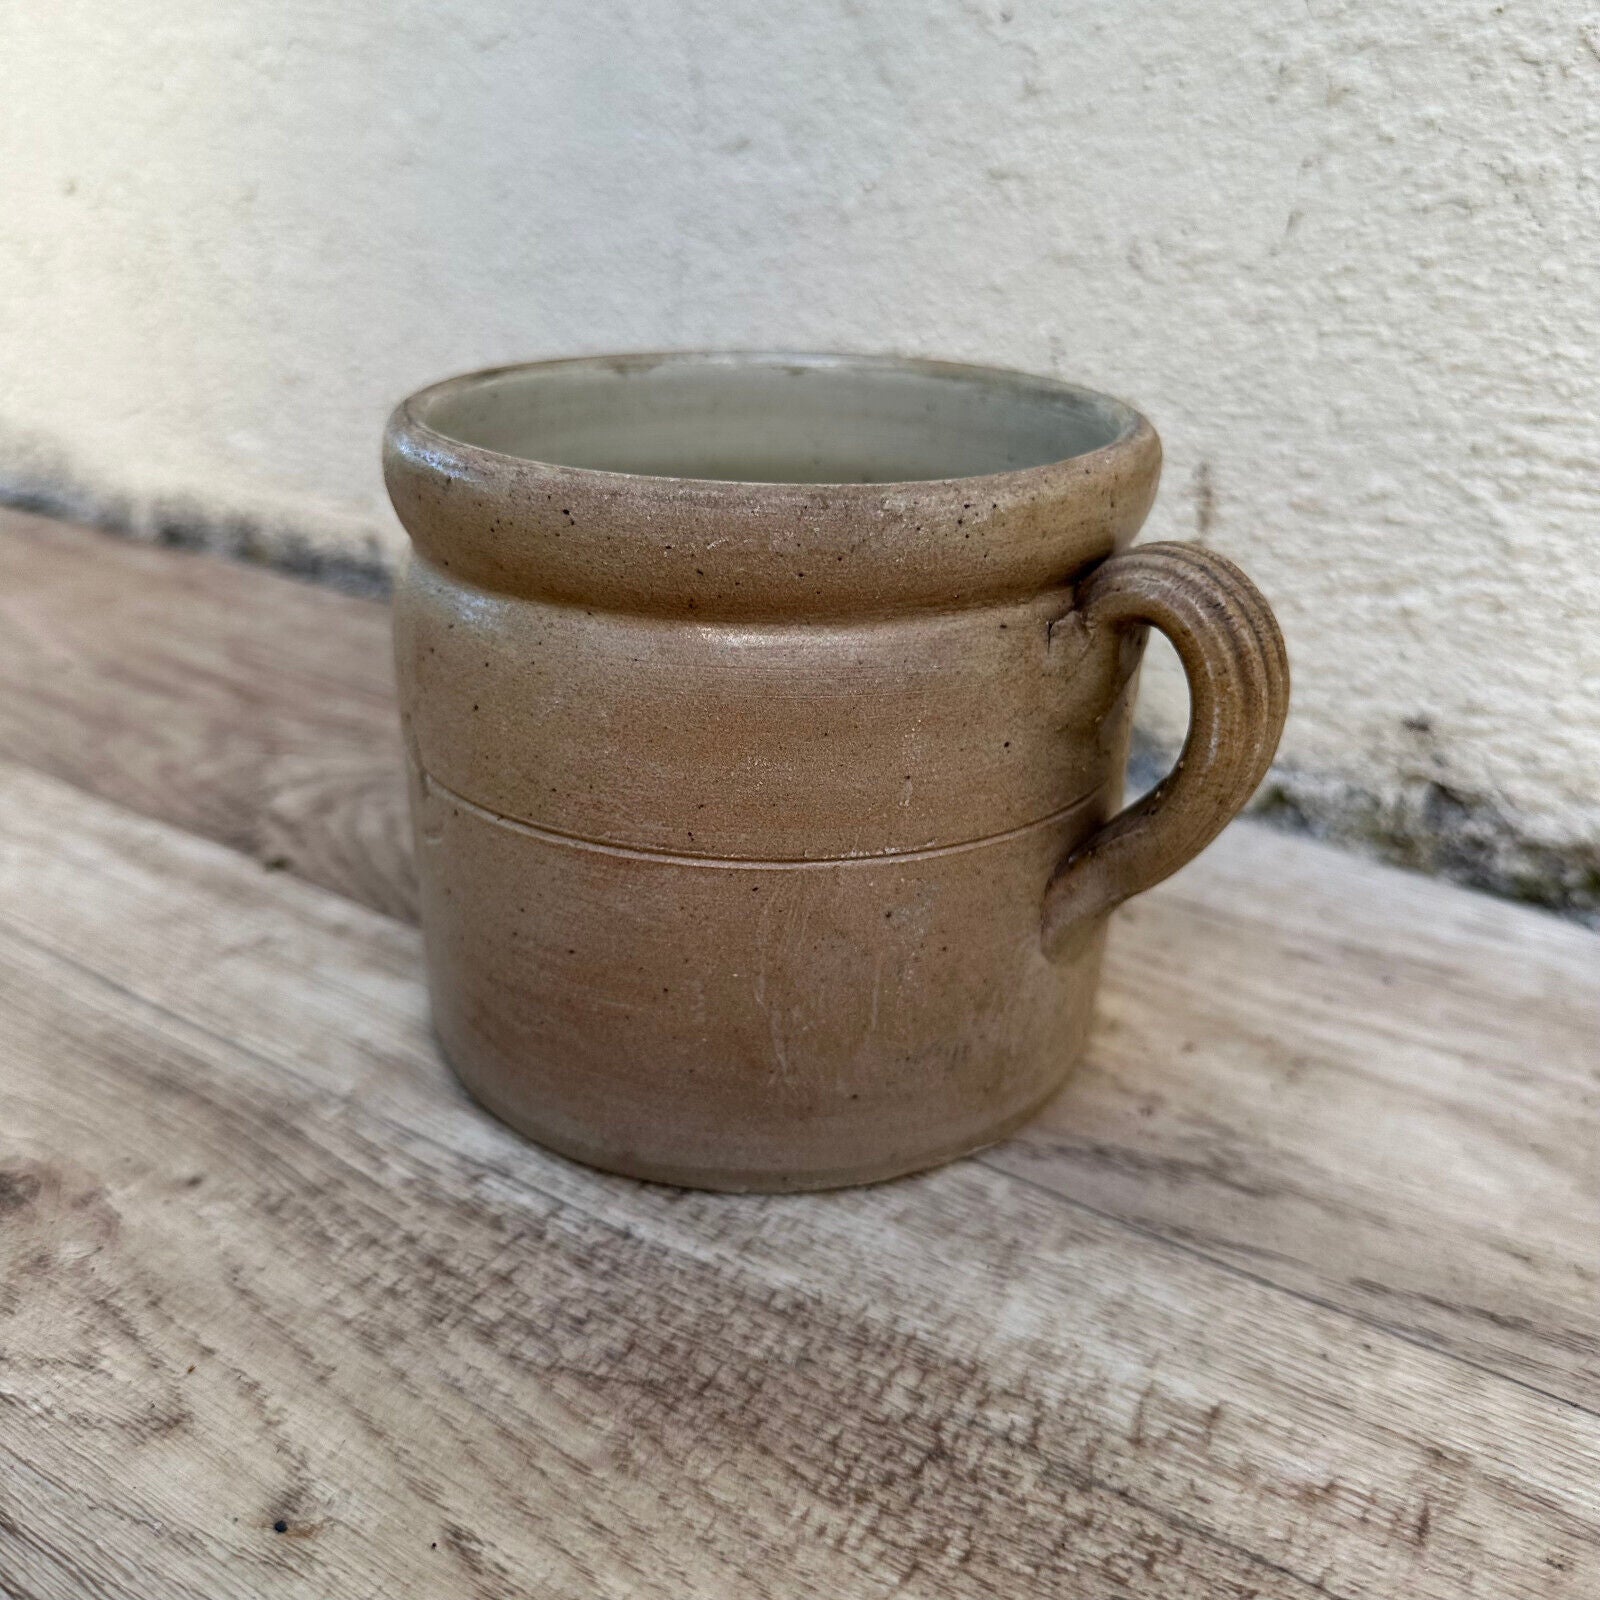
column 1425, row 825
column 187, row 525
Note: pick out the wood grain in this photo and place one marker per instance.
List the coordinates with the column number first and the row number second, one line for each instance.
column 1292, row 1292
column 247, row 707
column 1371, row 1088
column 1368, row 1087
column 263, row 1265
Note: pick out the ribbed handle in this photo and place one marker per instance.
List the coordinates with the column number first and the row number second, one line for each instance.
column 1231, row 649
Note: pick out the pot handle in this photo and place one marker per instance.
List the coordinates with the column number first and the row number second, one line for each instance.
column 1238, row 671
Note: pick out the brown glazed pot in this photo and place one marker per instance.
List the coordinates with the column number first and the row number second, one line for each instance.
column 765, row 716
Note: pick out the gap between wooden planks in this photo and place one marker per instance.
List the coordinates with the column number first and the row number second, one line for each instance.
column 1315, row 1076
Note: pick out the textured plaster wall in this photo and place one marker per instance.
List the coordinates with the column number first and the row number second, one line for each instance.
column 1346, row 256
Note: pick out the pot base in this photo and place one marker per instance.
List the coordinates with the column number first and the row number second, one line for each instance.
column 744, row 1180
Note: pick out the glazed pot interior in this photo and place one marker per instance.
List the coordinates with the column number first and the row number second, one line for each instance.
column 773, row 418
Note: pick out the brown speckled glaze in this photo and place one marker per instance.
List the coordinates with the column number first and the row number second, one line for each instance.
column 766, row 828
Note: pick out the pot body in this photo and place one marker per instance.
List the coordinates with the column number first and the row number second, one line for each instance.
column 733, row 877
column 754, row 906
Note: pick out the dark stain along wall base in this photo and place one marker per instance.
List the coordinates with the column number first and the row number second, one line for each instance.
column 185, row 525
column 1424, row 825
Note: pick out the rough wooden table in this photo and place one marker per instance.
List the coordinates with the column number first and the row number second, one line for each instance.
column 1293, row 1292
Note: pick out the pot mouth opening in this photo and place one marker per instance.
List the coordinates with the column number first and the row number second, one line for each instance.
column 755, row 417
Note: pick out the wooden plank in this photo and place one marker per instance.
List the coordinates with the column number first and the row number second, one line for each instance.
column 263, row 1264
column 1370, row 1088
column 1362, row 1085
column 244, row 706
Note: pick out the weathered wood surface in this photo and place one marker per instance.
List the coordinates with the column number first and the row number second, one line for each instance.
column 1364, row 1086
column 1293, row 1292
column 231, row 701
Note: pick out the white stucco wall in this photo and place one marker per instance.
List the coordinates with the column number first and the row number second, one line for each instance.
column 1346, row 256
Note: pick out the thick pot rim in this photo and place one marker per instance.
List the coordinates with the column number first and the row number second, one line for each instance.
column 732, row 547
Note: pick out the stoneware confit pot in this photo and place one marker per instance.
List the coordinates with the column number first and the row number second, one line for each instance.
column 767, row 718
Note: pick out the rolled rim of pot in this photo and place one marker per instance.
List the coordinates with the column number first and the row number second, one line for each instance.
column 739, row 484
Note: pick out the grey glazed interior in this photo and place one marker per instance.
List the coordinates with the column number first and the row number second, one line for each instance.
column 774, row 419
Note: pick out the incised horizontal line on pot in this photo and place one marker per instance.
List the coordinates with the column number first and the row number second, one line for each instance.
column 744, row 863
